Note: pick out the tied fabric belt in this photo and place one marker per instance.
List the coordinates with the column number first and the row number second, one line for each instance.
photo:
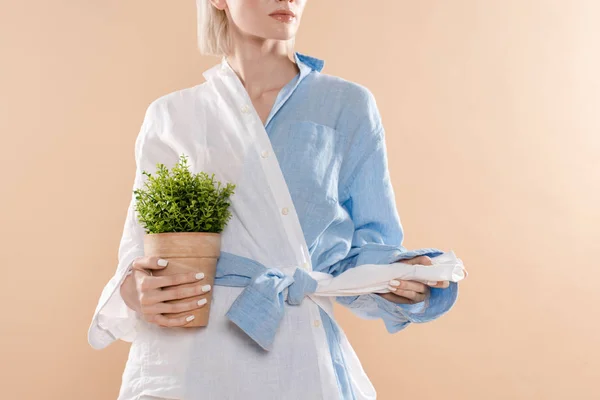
column 259, row 308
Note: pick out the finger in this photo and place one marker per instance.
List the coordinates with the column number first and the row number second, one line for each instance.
column 180, row 292
column 155, row 282
column 423, row 260
column 440, row 284
column 149, row 262
column 395, row 299
column 161, row 320
column 139, row 273
column 166, row 308
column 411, row 295
column 409, row 285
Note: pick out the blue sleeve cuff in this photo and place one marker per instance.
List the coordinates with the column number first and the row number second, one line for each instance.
column 439, row 302
column 376, row 253
column 398, row 316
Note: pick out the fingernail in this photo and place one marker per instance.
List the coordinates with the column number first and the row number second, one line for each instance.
column 393, row 289
column 432, row 283
column 162, row 262
column 188, row 319
column 201, row 302
column 200, row 275
column 205, row 288
column 394, row 282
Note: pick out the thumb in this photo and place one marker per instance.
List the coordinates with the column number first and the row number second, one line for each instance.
column 149, row 262
column 423, row 260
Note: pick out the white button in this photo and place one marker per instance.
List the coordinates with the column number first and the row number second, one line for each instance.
column 265, row 154
column 245, row 109
column 284, row 210
column 316, row 323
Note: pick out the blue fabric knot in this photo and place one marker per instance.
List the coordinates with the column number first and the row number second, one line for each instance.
column 259, row 308
column 303, row 284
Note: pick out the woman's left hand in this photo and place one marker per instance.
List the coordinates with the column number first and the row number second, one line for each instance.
column 411, row 292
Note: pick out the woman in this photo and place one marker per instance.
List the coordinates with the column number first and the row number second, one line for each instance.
column 316, row 143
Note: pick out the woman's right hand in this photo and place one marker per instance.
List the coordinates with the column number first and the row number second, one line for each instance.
column 144, row 293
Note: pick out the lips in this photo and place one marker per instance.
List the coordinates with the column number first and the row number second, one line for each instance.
column 283, row 13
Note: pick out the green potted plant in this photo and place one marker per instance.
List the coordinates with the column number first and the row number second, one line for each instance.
column 183, row 215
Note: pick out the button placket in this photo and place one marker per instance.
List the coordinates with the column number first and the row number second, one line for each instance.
column 269, row 168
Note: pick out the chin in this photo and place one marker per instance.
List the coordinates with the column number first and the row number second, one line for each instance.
column 282, row 37
column 281, row 34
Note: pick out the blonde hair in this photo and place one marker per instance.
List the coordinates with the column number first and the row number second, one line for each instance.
column 213, row 30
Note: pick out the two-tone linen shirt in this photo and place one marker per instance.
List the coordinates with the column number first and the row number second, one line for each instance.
column 325, row 138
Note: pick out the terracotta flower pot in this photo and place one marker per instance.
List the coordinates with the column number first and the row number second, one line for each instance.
column 187, row 252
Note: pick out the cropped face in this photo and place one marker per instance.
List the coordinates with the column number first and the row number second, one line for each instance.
column 268, row 19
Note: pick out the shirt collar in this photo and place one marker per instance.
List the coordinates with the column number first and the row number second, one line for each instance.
column 305, row 63
column 313, row 63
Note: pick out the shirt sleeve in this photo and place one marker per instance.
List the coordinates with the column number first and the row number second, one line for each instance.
column 378, row 236
column 112, row 318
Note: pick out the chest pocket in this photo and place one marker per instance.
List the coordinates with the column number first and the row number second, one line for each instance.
column 310, row 156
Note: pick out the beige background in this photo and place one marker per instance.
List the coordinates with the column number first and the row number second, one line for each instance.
column 491, row 112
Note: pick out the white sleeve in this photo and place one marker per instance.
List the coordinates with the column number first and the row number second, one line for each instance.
column 113, row 319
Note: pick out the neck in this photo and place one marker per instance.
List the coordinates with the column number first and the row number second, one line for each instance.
column 262, row 65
